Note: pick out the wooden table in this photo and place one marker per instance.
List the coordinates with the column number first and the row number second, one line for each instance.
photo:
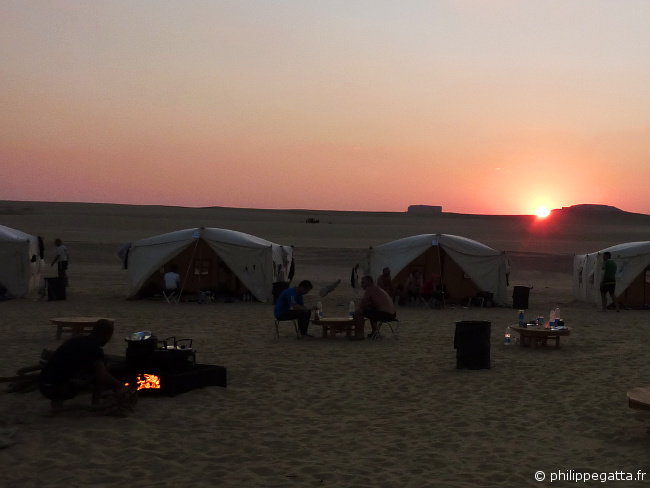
column 539, row 336
column 75, row 325
column 639, row 398
column 333, row 325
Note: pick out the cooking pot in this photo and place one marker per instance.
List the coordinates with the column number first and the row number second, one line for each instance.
column 140, row 347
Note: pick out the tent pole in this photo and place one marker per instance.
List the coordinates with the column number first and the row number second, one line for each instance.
column 189, row 265
column 442, row 281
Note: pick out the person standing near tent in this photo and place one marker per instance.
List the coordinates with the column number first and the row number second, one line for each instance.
column 61, row 259
column 608, row 281
column 385, row 282
column 290, row 306
column 375, row 304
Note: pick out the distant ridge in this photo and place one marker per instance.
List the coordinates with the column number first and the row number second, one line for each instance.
column 424, row 209
column 590, row 209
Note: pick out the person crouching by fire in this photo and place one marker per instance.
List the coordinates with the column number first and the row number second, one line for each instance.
column 77, row 364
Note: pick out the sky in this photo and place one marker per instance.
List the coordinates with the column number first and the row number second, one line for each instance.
column 480, row 106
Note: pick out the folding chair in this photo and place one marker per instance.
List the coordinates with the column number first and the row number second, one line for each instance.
column 295, row 326
column 171, row 296
column 437, row 299
column 392, row 324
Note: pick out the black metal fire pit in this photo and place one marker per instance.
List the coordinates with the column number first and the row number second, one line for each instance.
column 169, row 364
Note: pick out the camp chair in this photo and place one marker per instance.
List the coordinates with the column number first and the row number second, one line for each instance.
column 392, row 324
column 437, row 298
column 482, row 299
column 171, row 296
column 295, row 326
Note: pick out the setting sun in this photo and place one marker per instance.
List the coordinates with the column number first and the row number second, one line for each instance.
column 542, row 212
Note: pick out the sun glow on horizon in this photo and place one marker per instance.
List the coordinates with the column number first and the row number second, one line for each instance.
column 542, row 212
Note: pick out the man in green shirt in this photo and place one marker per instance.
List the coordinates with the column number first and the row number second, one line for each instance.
column 608, row 281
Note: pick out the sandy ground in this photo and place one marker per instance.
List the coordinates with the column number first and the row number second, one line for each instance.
column 386, row 413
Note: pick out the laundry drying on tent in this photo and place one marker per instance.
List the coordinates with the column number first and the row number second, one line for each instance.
column 227, row 264
column 632, row 276
column 21, row 263
column 463, row 267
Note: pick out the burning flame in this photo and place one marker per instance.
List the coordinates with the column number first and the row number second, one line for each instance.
column 148, row 381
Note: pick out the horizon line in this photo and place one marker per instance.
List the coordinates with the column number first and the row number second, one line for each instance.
column 594, row 206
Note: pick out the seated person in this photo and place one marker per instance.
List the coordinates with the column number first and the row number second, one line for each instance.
column 413, row 287
column 432, row 289
column 78, row 363
column 290, row 306
column 172, row 280
column 375, row 305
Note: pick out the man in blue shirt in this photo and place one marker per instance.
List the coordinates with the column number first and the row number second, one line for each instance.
column 290, row 306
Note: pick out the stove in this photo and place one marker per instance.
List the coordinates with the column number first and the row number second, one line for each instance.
column 167, row 367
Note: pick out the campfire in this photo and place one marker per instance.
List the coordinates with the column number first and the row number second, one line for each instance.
column 147, row 381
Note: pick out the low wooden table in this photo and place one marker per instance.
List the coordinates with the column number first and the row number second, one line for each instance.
column 333, row 325
column 639, row 398
column 75, row 325
column 539, row 336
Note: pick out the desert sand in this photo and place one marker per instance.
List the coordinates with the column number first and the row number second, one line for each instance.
column 386, row 413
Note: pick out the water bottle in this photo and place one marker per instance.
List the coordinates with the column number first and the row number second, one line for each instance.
column 557, row 316
column 522, row 319
column 351, row 309
column 551, row 319
column 507, row 340
column 319, row 307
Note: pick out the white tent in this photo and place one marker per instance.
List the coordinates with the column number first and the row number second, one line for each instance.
column 632, row 274
column 208, row 258
column 21, row 262
column 465, row 266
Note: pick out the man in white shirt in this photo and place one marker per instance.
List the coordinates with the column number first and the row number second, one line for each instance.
column 61, row 259
column 172, row 279
column 172, row 284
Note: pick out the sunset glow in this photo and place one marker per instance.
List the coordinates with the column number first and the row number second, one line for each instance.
column 542, row 212
column 481, row 107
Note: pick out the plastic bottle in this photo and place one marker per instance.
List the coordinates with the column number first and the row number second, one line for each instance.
column 352, row 308
column 522, row 319
column 557, row 316
column 507, row 340
column 319, row 306
column 551, row 319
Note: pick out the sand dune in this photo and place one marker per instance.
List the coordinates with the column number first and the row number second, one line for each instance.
column 333, row 412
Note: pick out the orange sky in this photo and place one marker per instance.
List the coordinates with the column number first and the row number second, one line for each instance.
column 480, row 106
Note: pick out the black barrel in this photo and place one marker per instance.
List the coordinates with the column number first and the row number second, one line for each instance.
column 472, row 344
column 520, row 297
column 55, row 288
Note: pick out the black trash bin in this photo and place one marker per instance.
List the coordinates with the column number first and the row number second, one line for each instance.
column 55, row 288
column 472, row 344
column 520, row 297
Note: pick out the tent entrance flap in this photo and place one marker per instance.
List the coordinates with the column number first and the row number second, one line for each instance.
column 435, row 261
column 637, row 294
column 200, row 269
